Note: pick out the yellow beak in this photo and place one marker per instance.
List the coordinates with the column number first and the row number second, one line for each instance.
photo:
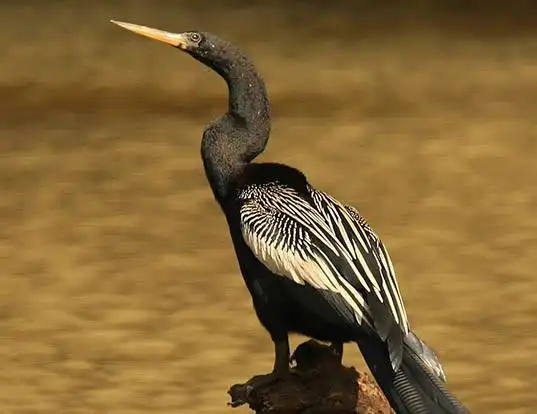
column 173, row 39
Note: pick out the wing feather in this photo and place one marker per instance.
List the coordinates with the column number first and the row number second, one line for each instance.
column 386, row 266
column 330, row 247
column 300, row 248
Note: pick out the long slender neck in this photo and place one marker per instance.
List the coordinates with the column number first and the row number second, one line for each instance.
column 249, row 104
column 248, row 101
column 235, row 139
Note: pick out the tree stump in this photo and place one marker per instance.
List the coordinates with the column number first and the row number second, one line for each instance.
column 318, row 384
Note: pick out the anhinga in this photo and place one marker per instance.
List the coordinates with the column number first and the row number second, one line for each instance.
column 312, row 264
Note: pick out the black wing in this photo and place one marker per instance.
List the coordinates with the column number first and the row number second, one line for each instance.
column 294, row 239
column 365, row 247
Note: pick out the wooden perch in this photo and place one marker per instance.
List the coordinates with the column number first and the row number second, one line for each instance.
column 318, row 384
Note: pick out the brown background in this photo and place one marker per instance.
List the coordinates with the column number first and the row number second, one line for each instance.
column 119, row 291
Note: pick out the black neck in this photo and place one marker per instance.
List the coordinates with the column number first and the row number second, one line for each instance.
column 249, row 102
column 238, row 137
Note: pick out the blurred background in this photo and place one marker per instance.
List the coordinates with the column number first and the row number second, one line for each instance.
column 119, row 290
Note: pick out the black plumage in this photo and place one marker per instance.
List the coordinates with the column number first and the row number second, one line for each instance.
column 312, row 264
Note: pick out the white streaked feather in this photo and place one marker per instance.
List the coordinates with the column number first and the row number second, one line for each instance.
column 285, row 201
column 301, row 261
column 389, row 281
column 280, row 226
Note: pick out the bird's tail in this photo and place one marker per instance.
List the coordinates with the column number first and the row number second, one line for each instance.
column 426, row 355
column 415, row 388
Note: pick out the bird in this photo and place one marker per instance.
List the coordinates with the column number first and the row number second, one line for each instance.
column 312, row 264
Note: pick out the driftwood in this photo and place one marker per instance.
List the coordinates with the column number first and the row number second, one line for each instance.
column 318, row 384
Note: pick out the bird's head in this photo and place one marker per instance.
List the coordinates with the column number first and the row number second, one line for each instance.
column 203, row 46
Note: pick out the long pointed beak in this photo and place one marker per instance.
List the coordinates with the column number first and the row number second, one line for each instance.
column 173, row 39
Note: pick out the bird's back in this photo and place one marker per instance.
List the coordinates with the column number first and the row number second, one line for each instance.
column 261, row 174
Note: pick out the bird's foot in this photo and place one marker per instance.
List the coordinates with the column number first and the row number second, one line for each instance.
column 240, row 393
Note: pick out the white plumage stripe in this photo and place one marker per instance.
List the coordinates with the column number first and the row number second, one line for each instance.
column 325, row 245
column 385, row 268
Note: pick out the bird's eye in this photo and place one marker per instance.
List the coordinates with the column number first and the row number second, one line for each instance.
column 195, row 37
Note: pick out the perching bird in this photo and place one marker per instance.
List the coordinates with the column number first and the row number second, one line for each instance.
column 312, row 264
